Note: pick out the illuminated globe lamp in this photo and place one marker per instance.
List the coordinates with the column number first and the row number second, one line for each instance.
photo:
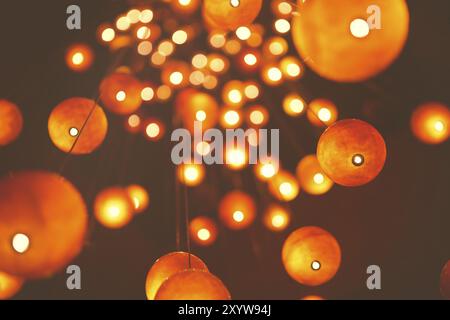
column 233, row 94
column 106, row 33
column 257, row 116
column 266, row 169
column 351, row 152
column 231, row 14
column 363, row 42
column 185, row 6
column 311, row 176
column 430, row 123
column 167, row 266
column 191, row 174
column 139, row 197
column 78, row 126
column 153, row 129
column 203, row 231
column 275, row 47
column 133, row 123
column 445, row 281
column 11, row 123
column 121, row 93
column 294, row 105
column 276, row 218
column 218, row 64
column 237, row 210
column 148, row 92
column 311, row 256
column 9, row 285
column 272, row 75
column 43, row 222
column 322, row 112
column 236, row 157
column 249, row 60
column 284, row 187
column 175, row 74
column 291, row 67
column 79, row 57
column 282, row 8
column 113, row 208
column 230, row 118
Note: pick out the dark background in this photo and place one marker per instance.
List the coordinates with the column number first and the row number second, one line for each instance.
column 399, row 222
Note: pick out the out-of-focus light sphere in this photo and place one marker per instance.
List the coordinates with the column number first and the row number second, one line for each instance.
column 359, row 28
column 199, row 61
column 251, row 91
column 152, row 130
column 318, row 178
column 176, row 78
column 204, row 234
column 250, row 59
column 147, row 93
column 143, row 33
column 78, row 58
column 285, row 188
column 145, row 48
column 20, row 242
column 358, row 160
column 439, row 126
column 108, row 35
column 235, row 3
column 268, row 170
column 121, row 96
column 200, row 115
column 123, row 23
column 238, row 216
column 274, row 74
column 179, row 37
column 285, row 8
column 324, row 114
column 243, row 33
column 134, row 121
column 203, row 148
column 146, row 16
column 282, row 26
column 231, row 117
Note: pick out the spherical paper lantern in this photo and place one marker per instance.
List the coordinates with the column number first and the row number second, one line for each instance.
column 445, row 281
column 351, row 152
column 121, row 93
column 430, row 123
column 114, row 208
column 231, row 14
column 311, row 176
column 203, row 231
column 139, row 196
column 11, row 122
column 167, row 266
column 77, row 125
column 193, row 285
column 9, row 285
column 237, row 210
column 335, row 38
column 311, row 256
column 43, row 221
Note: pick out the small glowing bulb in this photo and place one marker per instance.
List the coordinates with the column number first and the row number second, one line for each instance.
column 134, row 121
column 285, row 188
column 256, row 117
column 200, row 115
column 358, row 160
column 324, row 114
column 176, row 78
column 297, row 105
column 108, row 35
column 147, row 94
column 20, row 243
column 203, row 148
column 439, row 126
column 315, row 265
column 268, row 170
column 78, row 58
column 236, row 157
column 274, row 74
column 282, row 26
column 250, row 59
column 235, row 3
column 184, row 2
column 243, row 33
column 318, row 178
column 191, row 173
column 235, row 96
column 152, row 130
column 232, row 117
column 121, row 96
column 278, row 221
column 238, row 216
column 293, row 70
column 204, row 234
column 179, row 37
column 113, row 211
column 359, row 28
column 251, row 91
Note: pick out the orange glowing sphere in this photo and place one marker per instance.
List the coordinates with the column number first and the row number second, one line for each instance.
column 193, row 285
column 313, row 297
column 185, row 6
column 154, row 129
column 322, row 112
column 77, row 125
column 257, row 116
column 277, row 218
column 9, row 285
column 350, row 40
column 445, row 281
column 430, row 123
column 233, row 94
column 203, row 231
column 121, row 93
column 175, row 74
column 351, row 152
column 11, row 123
column 79, row 57
column 231, row 14
column 43, row 222
column 191, row 175
column 311, row 256
column 167, row 266
column 113, row 208
column 311, row 176
column 139, row 196
column 284, row 187
column 266, row 169
column 237, row 210
column 230, row 118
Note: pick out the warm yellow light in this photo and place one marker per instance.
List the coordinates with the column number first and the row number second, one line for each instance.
column 20, row 242
column 217, row 40
column 318, row 178
column 268, row 170
column 123, row 23
column 293, row 70
column 250, row 59
column 164, row 92
column 199, row 61
column 324, row 114
column 200, row 115
column 203, row 148
column 134, row 15
column 145, row 48
column 238, row 216
column 176, row 78
column 256, row 117
column 282, row 26
column 235, row 96
column 285, row 8
column 232, row 117
column 158, row 59
column 184, row 3
column 134, row 121
column 235, row 3
column 143, row 33
column 121, row 96
column 274, row 74
column 276, row 48
column 204, row 234
column 78, row 58
column 243, row 33
column 180, row 37
column 73, row 132
column 197, row 78
column 278, row 220
column 286, row 189
column 315, row 265
column 359, row 28
column 147, row 94
column 439, row 126
column 152, row 130
column 146, row 16
column 210, row 82
column 251, row 91
column 217, row 65
column 166, row 48
column 108, row 35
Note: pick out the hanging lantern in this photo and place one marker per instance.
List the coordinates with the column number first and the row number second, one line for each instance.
column 9, row 285
column 351, row 40
column 311, row 256
column 11, row 123
column 313, row 297
column 113, row 208
column 77, row 125
column 139, row 197
column 322, row 112
column 445, row 281
column 430, row 123
column 191, row 174
column 284, row 187
column 277, row 218
column 79, row 57
column 237, row 210
column 167, row 266
column 351, row 152
column 231, row 14
column 203, row 231
column 121, row 93
column 311, row 176
column 193, row 285
column 43, row 221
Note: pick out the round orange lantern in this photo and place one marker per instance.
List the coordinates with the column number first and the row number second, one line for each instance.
column 277, row 218
column 313, row 297
column 139, row 197
column 237, row 210
column 11, row 124
column 430, row 123
column 231, row 14
column 77, row 125
column 322, row 112
column 445, row 281
column 121, row 93
column 351, row 152
column 311, row 176
column 311, row 256
column 9, row 285
column 193, row 285
column 43, row 221
column 203, row 231
column 79, row 57
column 351, row 40
column 167, row 266
column 284, row 186
column 113, row 208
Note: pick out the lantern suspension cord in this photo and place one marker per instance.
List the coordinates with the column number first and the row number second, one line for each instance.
column 186, row 221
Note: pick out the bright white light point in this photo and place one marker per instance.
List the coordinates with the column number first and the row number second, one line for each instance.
column 203, row 148
column 318, row 178
column 73, row 132
column 108, row 34
column 20, row 242
column 282, row 26
column 113, row 211
column 359, row 28
column 191, row 173
column 232, row 117
column 315, row 265
column 146, row 16
column 285, row 188
column 439, row 126
column 293, row 70
column 236, row 157
column 184, row 2
column 143, row 33
column 256, row 117
column 204, row 234
column 136, row 202
column 251, row 91
column 200, row 115
column 250, row 59
column 268, row 170
column 238, row 216
column 78, row 58
column 179, row 37
column 324, row 114
column 297, row 106
column 176, row 78
column 235, row 3
column 147, row 94
column 277, row 220
column 121, row 96
column 243, row 33
column 274, row 74
column 152, row 130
